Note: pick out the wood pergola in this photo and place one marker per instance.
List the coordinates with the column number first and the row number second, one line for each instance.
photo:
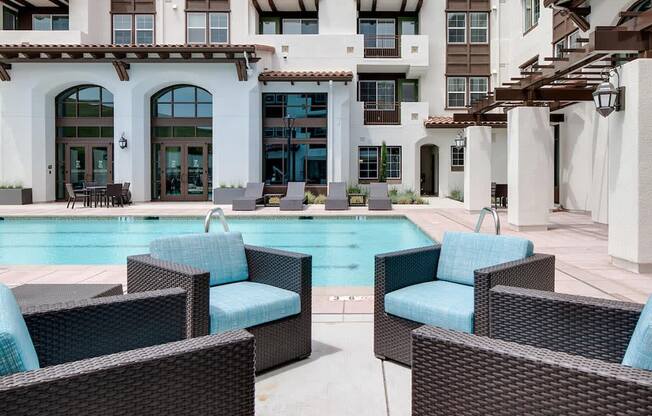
column 121, row 56
column 565, row 80
column 306, row 76
column 22, row 4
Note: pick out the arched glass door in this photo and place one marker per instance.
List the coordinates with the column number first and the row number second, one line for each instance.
column 182, row 135
column 84, row 137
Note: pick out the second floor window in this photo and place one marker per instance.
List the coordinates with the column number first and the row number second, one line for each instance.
column 208, row 27
column 531, row 13
column 300, row 27
column 380, row 95
column 50, row 22
column 124, row 33
column 456, row 27
column 457, row 87
column 479, row 26
column 456, row 92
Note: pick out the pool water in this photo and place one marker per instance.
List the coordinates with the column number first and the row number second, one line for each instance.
column 343, row 249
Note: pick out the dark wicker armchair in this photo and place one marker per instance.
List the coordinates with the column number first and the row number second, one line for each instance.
column 277, row 342
column 126, row 355
column 549, row 354
column 392, row 339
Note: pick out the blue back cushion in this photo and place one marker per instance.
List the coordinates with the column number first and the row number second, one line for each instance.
column 17, row 351
column 464, row 253
column 639, row 350
column 220, row 254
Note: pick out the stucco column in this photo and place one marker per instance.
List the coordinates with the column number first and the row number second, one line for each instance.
column 530, row 168
column 630, row 172
column 477, row 169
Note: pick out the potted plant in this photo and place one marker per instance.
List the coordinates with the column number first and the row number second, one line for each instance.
column 15, row 194
column 225, row 194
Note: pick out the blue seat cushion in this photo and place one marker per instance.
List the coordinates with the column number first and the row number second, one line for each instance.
column 245, row 304
column 437, row 303
column 464, row 253
column 17, row 351
column 639, row 350
column 220, row 254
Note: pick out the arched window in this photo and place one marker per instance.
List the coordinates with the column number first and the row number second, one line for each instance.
column 84, row 137
column 182, row 133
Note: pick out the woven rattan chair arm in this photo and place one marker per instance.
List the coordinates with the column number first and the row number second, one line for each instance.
column 90, row 328
column 145, row 273
column 590, row 327
column 458, row 373
column 207, row 375
column 282, row 269
column 534, row 272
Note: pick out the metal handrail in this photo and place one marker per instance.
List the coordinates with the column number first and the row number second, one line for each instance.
column 483, row 213
column 209, row 215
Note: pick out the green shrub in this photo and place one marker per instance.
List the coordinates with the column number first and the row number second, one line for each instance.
column 7, row 185
column 406, row 197
column 457, row 195
column 320, row 199
column 356, row 189
column 310, row 198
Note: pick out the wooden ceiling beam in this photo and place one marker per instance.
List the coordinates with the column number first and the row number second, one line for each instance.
column 302, row 6
column 272, row 5
column 544, row 94
column 257, row 6
column 403, row 5
column 122, row 69
column 4, row 72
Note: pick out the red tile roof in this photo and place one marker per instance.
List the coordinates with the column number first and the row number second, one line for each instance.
column 443, row 122
column 288, row 76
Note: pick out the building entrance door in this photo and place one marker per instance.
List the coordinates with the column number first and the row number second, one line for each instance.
column 88, row 162
column 185, row 171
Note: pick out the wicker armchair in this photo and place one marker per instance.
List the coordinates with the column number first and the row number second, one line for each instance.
column 392, row 339
column 549, row 354
column 277, row 342
column 127, row 355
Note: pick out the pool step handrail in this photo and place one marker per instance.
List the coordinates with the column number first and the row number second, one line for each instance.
column 483, row 213
column 209, row 215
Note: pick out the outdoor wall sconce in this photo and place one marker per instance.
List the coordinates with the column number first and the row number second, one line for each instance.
column 460, row 140
column 607, row 97
column 122, row 142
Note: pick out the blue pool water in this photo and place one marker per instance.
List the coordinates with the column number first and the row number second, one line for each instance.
column 343, row 249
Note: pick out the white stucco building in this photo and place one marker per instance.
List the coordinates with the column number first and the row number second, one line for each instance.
column 178, row 97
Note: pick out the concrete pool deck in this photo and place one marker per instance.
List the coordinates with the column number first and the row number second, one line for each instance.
column 342, row 377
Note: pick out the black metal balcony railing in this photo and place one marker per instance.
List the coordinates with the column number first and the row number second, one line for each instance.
column 382, row 46
column 383, row 113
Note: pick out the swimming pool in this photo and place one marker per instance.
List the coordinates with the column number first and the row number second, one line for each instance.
column 343, row 249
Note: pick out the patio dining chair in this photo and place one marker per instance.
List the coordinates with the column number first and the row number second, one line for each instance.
column 253, row 195
column 74, row 195
column 337, row 198
column 126, row 193
column 448, row 286
column 233, row 286
column 120, row 355
column 294, row 197
column 547, row 354
column 114, row 195
column 379, row 197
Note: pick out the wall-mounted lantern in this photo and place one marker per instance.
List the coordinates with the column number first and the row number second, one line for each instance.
column 460, row 140
column 607, row 97
column 123, row 141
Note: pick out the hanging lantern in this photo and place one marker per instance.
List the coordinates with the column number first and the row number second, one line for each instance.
column 607, row 97
column 122, row 142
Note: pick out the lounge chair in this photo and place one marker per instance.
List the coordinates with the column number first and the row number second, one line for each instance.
column 123, row 355
column 379, row 197
column 253, row 196
column 549, row 353
column 337, row 198
column 293, row 200
column 448, row 286
column 233, row 286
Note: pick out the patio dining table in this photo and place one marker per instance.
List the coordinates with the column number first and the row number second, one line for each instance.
column 93, row 193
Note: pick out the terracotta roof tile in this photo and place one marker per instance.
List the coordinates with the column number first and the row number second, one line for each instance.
column 441, row 122
column 280, row 76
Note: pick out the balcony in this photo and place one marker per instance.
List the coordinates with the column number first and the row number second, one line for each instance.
column 41, row 37
column 382, row 114
column 382, row 46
